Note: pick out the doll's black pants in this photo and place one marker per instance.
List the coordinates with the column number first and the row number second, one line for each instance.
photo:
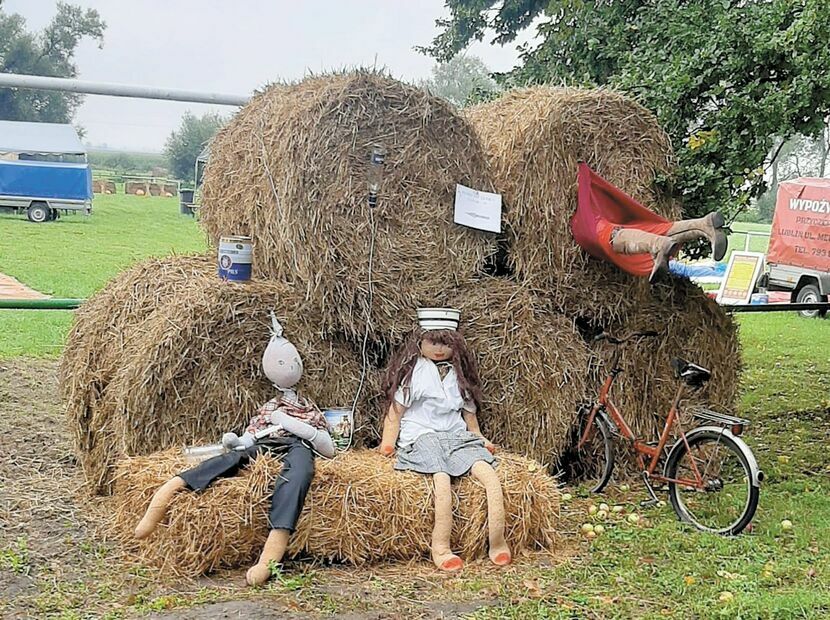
column 291, row 486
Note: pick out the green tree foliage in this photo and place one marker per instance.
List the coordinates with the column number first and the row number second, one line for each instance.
column 49, row 53
column 184, row 144
column 462, row 80
column 725, row 77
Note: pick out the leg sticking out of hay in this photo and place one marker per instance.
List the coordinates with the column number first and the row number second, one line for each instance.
column 612, row 226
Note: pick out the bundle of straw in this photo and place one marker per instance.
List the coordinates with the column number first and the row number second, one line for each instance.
column 292, row 170
column 169, row 354
column 358, row 510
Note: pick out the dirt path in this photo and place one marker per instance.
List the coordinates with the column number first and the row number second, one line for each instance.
column 14, row 289
column 55, row 560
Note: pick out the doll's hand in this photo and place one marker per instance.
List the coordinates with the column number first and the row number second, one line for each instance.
column 386, row 451
column 230, row 441
column 491, row 447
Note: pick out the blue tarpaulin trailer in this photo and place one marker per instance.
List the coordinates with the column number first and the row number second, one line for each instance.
column 43, row 170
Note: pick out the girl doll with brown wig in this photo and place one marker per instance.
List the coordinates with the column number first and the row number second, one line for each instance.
column 434, row 392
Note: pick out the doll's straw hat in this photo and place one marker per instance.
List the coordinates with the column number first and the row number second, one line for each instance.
column 433, row 319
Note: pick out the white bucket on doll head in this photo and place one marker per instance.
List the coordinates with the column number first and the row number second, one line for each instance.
column 235, row 255
column 341, row 426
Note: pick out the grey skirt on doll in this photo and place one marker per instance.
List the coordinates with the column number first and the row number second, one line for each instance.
column 453, row 453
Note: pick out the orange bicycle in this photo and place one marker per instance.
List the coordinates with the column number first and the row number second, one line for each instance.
column 712, row 476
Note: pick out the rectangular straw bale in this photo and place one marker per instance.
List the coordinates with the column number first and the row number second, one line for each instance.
column 359, row 510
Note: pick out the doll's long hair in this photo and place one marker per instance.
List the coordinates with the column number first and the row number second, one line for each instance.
column 402, row 364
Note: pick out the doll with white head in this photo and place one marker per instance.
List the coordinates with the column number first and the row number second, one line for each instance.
column 288, row 426
column 434, row 395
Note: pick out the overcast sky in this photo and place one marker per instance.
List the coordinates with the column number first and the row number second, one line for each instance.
column 234, row 47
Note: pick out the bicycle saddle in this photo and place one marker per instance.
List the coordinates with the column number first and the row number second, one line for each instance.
column 694, row 375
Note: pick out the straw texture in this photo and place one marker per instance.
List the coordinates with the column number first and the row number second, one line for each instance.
column 95, row 346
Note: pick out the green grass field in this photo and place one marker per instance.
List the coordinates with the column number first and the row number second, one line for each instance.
column 661, row 569
column 76, row 255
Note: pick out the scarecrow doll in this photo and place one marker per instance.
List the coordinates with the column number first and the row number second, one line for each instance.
column 434, row 392
column 288, row 426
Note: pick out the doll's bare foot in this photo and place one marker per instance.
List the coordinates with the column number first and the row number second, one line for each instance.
column 273, row 551
column 500, row 555
column 258, row 574
column 448, row 561
column 158, row 507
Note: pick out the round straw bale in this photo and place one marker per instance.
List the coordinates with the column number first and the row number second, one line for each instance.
column 692, row 326
column 534, row 138
column 533, row 366
column 358, row 510
column 95, row 345
column 196, row 370
column 291, row 170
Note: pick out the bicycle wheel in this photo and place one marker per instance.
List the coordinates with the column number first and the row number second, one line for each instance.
column 592, row 464
column 728, row 499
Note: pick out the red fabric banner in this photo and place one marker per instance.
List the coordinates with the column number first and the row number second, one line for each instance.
column 601, row 207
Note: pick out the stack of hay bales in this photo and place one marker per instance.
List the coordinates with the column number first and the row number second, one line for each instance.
column 290, row 170
column 358, row 510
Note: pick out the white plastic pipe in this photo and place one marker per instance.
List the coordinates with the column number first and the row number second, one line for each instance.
column 36, row 82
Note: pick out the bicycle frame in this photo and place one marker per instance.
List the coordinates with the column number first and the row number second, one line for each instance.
column 642, row 449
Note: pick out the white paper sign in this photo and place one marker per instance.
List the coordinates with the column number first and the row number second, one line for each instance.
column 480, row 210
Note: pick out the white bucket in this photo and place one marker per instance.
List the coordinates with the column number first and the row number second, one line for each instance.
column 235, row 255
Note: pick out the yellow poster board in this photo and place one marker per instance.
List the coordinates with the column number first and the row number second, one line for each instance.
column 742, row 273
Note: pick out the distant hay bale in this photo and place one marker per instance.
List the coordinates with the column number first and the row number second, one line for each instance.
column 359, row 510
column 190, row 370
column 95, row 347
column 691, row 326
column 291, row 170
column 533, row 365
column 534, row 138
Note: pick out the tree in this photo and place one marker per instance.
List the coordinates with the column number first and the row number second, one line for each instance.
column 184, row 144
column 726, row 78
column 49, row 53
column 461, row 80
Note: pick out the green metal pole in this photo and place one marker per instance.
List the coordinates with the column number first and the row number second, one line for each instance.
column 40, row 304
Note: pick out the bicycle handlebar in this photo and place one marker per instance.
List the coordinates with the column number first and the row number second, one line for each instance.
column 634, row 335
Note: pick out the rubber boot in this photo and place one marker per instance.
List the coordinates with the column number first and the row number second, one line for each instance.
column 273, row 551
column 158, row 507
column 635, row 241
column 710, row 226
column 499, row 551
column 442, row 556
